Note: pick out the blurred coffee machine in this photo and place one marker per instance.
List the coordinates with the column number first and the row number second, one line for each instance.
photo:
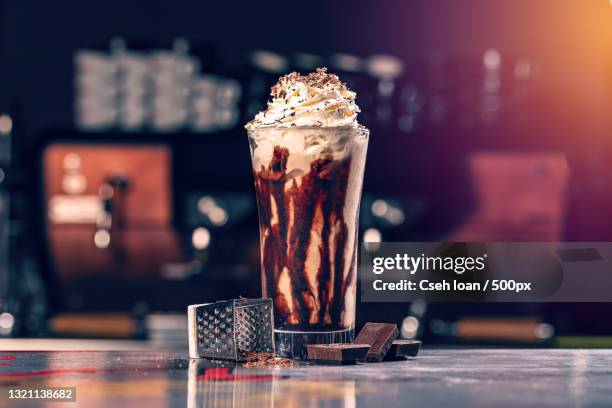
column 109, row 222
column 137, row 224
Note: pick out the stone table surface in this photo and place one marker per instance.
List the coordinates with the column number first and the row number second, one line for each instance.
column 436, row 378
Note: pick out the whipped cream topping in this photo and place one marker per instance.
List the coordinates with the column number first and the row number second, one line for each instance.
column 318, row 99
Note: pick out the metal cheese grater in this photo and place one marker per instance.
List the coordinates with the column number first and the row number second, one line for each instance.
column 230, row 328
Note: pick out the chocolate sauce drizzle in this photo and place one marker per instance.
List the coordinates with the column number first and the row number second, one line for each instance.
column 316, row 203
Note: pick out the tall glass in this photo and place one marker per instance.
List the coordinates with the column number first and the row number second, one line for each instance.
column 308, row 184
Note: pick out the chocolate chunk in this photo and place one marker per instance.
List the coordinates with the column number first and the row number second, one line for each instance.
column 379, row 336
column 337, row 353
column 400, row 349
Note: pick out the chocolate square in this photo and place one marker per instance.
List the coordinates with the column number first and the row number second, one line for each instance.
column 337, row 353
column 379, row 336
column 401, row 349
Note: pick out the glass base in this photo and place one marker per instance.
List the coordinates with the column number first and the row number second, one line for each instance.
column 292, row 344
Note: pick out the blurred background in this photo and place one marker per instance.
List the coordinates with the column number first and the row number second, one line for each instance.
column 125, row 179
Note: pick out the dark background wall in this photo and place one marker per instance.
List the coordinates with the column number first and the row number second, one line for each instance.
column 39, row 38
column 570, row 39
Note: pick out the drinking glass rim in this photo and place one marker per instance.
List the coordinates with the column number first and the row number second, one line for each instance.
column 360, row 128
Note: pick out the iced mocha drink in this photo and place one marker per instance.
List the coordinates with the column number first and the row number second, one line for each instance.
column 308, row 154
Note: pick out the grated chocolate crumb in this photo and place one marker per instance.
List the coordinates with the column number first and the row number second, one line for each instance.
column 262, row 360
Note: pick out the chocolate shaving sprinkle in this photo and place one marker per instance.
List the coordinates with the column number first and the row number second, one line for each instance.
column 263, row 360
column 318, row 79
